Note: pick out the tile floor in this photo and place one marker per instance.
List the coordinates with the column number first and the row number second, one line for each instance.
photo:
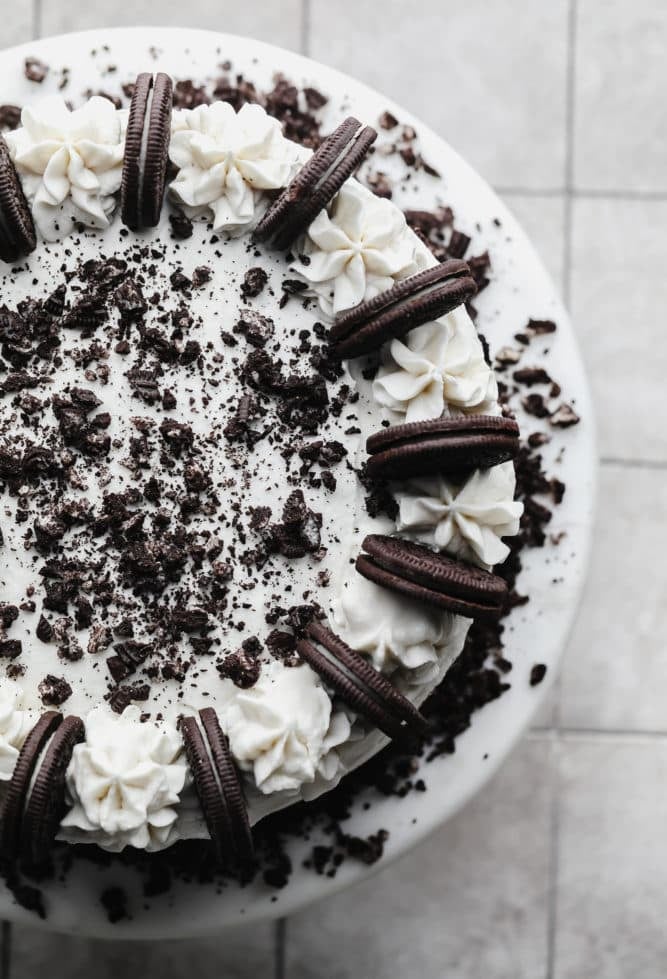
column 557, row 869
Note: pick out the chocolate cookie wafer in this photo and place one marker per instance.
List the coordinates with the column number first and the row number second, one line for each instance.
column 17, row 229
column 417, row 571
column 409, row 303
column 17, row 790
column 230, row 786
column 453, row 446
column 218, row 788
column 316, row 183
column 146, row 151
column 46, row 805
column 358, row 684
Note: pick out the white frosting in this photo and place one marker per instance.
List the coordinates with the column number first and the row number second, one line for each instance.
column 356, row 249
column 393, row 631
column 226, row 159
column 15, row 724
column 282, row 728
column 70, row 162
column 124, row 781
column 437, row 365
column 467, row 520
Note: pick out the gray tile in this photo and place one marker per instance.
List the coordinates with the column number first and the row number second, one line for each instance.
column 471, row 901
column 610, row 920
column 621, row 73
column 542, row 220
column 243, row 953
column 19, row 26
column 481, row 74
column 547, row 712
column 615, row 667
column 279, row 23
column 619, row 292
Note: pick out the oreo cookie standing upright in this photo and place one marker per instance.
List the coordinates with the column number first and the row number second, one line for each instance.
column 46, row 804
column 17, row 229
column 316, row 184
column 447, row 446
column 358, row 684
column 416, row 571
column 409, row 303
column 218, row 788
column 11, row 815
column 146, row 154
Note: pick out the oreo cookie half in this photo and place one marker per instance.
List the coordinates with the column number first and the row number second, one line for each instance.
column 358, row 684
column 17, row 229
column 417, row 571
column 230, row 786
column 46, row 805
column 453, row 446
column 146, row 151
column 12, row 810
column 407, row 304
column 316, row 183
column 218, row 788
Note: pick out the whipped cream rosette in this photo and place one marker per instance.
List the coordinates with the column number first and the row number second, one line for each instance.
column 15, row 723
column 438, row 369
column 226, row 160
column 70, row 162
column 356, row 249
column 467, row 519
column 125, row 782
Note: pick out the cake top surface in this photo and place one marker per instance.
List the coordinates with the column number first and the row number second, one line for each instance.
column 183, row 455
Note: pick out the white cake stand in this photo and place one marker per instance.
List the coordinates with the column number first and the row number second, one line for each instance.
column 552, row 576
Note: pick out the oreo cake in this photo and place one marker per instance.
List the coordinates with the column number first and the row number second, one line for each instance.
column 254, row 476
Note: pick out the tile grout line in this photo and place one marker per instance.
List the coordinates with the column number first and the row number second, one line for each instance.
column 554, row 815
column 305, row 27
column 279, row 940
column 36, row 19
column 633, row 463
column 583, row 193
column 595, row 734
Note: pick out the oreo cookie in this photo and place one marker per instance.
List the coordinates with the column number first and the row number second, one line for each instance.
column 316, row 184
column 46, row 805
column 17, row 229
column 409, row 303
column 146, row 151
column 11, row 816
column 358, row 684
column 417, row 571
column 218, row 788
column 452, row 446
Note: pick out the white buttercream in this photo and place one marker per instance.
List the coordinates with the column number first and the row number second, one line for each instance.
column 15, row 723
column 467, row 520
column 436, row 366
column 282, row 728
column 226, row 159
column 357, row 248
column 70, row 162
column 124, row 781
column 393, row 631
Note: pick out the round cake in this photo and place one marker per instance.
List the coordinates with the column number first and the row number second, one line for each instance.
column 254, row 475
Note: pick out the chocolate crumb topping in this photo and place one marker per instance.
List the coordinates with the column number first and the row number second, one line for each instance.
column 54, row 690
